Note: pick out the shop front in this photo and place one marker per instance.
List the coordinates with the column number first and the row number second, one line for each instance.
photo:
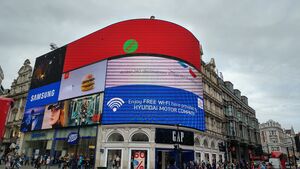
column 64, row 145
column 38, row 143
column 177, row 139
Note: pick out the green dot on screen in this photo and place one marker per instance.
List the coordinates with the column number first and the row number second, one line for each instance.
column 130, row 46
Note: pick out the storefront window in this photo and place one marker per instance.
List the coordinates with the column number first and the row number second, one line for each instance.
column 114, row 159
column 206, row 157
column 139, row 159
column 198, row 157
column 220, row 158
column 214, row 157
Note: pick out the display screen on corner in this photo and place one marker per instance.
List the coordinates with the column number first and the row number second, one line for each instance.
column 81, row 111
column 48, row 68
column 83, row 81
column 146, row 89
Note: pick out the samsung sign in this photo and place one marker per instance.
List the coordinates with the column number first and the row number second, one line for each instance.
column 43, row 95
column 73, row 138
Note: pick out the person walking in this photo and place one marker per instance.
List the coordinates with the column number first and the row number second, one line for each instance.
column 47, row 165
column 172, row 164
column 8, row 161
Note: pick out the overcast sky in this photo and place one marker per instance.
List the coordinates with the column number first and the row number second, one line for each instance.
column 255, row 43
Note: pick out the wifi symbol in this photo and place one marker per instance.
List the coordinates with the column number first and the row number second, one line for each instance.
column 115, row 103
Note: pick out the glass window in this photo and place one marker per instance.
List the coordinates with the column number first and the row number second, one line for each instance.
column 220, row 158
column 206, row 157
column 115, row 137
column 140, row 137
column 205, row 144
column 197, row 142
column 139, row 159
column 239, row 115
column 212, row 145
column 198, row 157
column 114, row 159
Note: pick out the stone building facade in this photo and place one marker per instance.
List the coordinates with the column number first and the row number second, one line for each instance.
column 275, row 138
column 18, row 93
column 214, row 116
column 242, row 126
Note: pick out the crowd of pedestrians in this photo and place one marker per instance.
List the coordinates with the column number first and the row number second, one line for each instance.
column 221, row 165
column 13, row 160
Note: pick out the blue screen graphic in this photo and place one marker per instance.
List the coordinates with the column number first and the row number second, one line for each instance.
column 43, row 95
column 154, row 105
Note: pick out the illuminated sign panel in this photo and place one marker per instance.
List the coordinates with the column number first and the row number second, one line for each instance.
column 48, row 68
column 137, row 71
column 79, row 111
column 139, row 36
column 145, row 89
column 43, row 95
column 85, row 110
column 83, row 81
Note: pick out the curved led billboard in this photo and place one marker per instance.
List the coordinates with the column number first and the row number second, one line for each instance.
column 147, row 89
column 135, row 71
column 138, row 36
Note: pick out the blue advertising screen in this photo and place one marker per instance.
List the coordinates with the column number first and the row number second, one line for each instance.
column 43, row 95
column 153, row 90
column 152, row 104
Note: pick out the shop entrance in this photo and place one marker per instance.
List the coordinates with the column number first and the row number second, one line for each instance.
column 164, row 156
column 37, row 148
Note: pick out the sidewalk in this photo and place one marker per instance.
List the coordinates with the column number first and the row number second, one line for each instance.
column 30, row 167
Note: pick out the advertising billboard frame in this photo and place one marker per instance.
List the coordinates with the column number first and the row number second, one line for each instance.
column 141, row 123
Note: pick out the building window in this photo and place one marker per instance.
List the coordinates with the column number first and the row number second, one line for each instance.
column 205, row 144
column 114, row 159
column 115, row 137
column 239, row 115
column 197, row 142
column 231, row 129
column 140, row 137
column 229, row 110
column 139, row 159
column 198, row 157
column 212, row 145
column 206, row 157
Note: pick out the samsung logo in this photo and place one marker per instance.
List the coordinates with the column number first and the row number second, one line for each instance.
column 43, row 95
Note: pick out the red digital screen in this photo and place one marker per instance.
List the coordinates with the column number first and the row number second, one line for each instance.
column 139, row 36
column 5, row 104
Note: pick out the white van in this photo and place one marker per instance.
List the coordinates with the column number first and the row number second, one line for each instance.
column 275, row 163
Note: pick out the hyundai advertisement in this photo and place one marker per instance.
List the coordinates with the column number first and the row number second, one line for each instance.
column 156, row 90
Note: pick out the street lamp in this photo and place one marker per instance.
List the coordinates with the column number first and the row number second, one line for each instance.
column 177, row 147
column 287, row 148
column 295, row 161
column 78, row 122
